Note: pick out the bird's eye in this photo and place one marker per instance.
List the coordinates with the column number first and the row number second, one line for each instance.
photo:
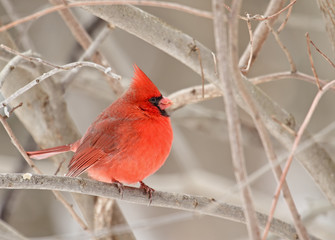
column 153, row 100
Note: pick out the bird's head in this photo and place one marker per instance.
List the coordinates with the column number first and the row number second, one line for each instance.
column 146, row 97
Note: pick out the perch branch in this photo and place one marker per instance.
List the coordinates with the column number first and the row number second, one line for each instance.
column 203, row 205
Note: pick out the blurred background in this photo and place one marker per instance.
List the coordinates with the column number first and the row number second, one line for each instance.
column 200, row 161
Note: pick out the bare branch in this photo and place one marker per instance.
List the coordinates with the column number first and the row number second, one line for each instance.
column 296, row 142
column 226, row 47
column 264, row 135
column 282, row 26
column 193, row 95
column 203, row 205
column 57, row 69
column 312, row 62
column 282, row 46
column 11, row 65
column 322, row 54
column 284, row 75
column 261, row 33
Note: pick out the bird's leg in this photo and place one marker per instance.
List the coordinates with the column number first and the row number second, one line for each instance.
column 119, row 185
column 147, row 189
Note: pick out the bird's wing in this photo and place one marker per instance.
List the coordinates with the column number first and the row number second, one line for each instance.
column 99, row 141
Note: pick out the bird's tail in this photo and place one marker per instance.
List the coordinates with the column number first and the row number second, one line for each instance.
column 49, row 152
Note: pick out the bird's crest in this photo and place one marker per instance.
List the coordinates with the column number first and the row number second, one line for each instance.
column 143, row 87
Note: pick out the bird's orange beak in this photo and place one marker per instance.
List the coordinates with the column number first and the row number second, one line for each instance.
column 164, row 103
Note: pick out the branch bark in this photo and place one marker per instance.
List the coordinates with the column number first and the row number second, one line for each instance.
column 203, row 205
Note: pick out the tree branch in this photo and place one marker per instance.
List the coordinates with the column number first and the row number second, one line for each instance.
column 225, row 46
column 261, row 33
column 203, row 205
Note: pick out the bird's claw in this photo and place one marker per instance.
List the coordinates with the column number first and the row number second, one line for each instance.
column 147, row 190
column 120, row 187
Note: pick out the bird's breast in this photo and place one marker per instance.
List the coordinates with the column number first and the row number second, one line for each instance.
column 142, row 149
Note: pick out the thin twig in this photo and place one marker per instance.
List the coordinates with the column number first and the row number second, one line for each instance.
column 264, row 18
column 46, row 75
column 322, row 54
column 194, row 48
column 246, row 69
column 281, row 27
column 282, row 46
column 261, row 33
column 285, row 75
column 253, row 177
column 193, row 94
column 11, row 65
column 14, row 108
column 19, row 147
column 28, row 57
column 311, row 61
column 260, row 18
column 296, row 142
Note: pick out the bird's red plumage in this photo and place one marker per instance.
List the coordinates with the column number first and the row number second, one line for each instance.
column 128, row 141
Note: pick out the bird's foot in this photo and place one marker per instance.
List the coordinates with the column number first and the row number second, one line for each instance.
column 147, row 190
column 119, row 186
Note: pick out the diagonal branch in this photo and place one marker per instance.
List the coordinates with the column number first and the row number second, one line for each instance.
column 261, row 33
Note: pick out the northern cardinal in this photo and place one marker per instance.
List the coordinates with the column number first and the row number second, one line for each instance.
column 128, row 141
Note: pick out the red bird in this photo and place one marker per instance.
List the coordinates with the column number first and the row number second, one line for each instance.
column 128, row 141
